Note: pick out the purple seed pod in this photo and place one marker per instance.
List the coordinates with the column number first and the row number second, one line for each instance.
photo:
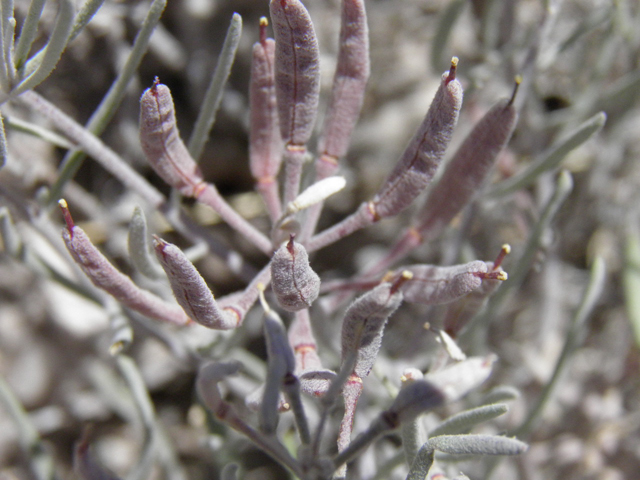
column 460, row 378
column 190, row 289
column 468, row 169
column 349, row 82
column 460, row 312
column 265, row 143
column 419, row 162
column 105, row 276
column 297, row 70
column 295, row 284
column 162, row 144
column 433, row 285
column 364, row 323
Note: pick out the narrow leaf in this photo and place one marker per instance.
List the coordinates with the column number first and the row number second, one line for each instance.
column 211, row 102
column 631, row 282
column 477, row 445
column 464, row 421
column 139, row 250
column 552, row 158
column 56, row 45
column 28, row 33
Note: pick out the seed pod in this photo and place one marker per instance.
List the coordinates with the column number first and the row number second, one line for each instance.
column 349, row 82
column 162, row 144
column 265, row 143
column 418, row 164
column 432, row 285
column 460, row 312
column 295, row 284
column 468, row 169
column 364, row 323
column 297, row 70
column 190, row 289
column 105, row 276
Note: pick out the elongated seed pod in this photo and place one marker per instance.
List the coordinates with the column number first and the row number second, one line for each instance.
column 293, row 280
column 468, row 169
column 419, row 162
column 364, row 323
column 190, row 289
column 460, row 312
column 349, row 81
column 105, row 276
column 162, row 144
column 433, row 285
column 265, row 143
column 297, row 70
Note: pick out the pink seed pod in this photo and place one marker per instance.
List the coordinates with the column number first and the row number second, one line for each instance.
column 105, row 276
column 265, row 143
column 297, row 70
column 349, row 82
column 462, row 311
column 364, row 323
column 190, row 289
column 161, row 141
column 419, row 162
column 467, row 171
column 293, row 281
column 433, row 285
